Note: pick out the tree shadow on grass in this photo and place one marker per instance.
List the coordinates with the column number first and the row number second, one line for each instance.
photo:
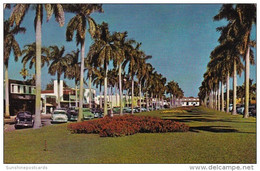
column 189, row 116
column 189, row 119
column 215, row 129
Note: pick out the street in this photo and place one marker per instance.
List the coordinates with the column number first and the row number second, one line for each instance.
column 46, row 120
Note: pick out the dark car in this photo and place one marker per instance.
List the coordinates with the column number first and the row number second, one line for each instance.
column 24, row 119
column 72, row 114
column 252, row 110
column 97, row 112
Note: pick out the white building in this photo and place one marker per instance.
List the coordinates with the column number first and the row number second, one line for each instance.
column 114, row 100
column 67, row 96
column 190, row 101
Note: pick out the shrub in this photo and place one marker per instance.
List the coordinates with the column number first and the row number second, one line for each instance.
column 126, row 125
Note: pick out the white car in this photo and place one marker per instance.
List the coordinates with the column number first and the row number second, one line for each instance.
column 59, row 116
column 230, row 107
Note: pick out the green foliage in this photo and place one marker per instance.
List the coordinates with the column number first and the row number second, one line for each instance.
column 29, row 55
column 9, row 41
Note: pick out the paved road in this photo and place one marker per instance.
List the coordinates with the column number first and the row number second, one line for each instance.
column 45, row 121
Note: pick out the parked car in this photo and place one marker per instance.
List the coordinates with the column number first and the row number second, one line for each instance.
column 230, row 107
column 98, row 113
column 150, row 108
column 143, row 109
column 157, row 108
column 241, row 109
column 72, row 114
column 63, row 108
column 127, row 110
column 24, row 119
column 87, row 114
column 252, row 110
column 59, row 116
column 136, row 109
column 116, row 110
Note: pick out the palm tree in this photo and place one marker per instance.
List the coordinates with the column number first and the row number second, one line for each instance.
column 228, row 44
column 89, row 77
column 241, row 91
column 78, row 24
column 112, row 81
column 147, row 81
column 241, row 17
column 208, row 84
column 203, row 94
column 122, row 48
column 126, row 85
column 98, row 80
column 73, row 71
column 16, row 17
column 104, row 52
column 133, row 59
column 173, row 89
column 10, row 44
column 29, row 55
column 58, row 66
column 247, row 17
column 141, row 71
column 157, row 88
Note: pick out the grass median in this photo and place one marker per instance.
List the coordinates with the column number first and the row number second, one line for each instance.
column 214, row 137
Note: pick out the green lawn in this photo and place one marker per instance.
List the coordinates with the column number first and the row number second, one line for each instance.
column 214, row 137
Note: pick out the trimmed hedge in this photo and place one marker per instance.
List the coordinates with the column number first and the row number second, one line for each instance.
column 126, row 125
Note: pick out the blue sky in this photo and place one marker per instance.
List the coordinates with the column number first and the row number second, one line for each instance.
column 180, row 38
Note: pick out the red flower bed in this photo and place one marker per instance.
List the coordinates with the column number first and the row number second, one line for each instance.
column 127, row 125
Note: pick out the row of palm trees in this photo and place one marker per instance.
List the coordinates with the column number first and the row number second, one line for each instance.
column 116, row 51
column 225, row 60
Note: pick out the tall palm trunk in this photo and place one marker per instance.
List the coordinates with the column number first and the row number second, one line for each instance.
column 171, row 100
column 120, row 89
column 132, row 107
column 247, row 72
column 126, row 98
column 152, row 100
column 116, row 94
column 80, row 116
column 111, row 102
column 234, row 111
column 90, row 92
column 205, row 100
column 146, row 97
column 156, row 101
column 76, row 94
column 140, row 96
column 215, row 99
column 7, row 111
column 227, row 109
column 101, row 96
column 211, row 100
column 218, row 98
column 37, row 119
column 222, row 96
column 105, row 92
column 58, row 88
column 162, row 102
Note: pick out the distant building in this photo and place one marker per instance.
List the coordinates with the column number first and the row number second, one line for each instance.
column 21, row 96
column 67, row 97
column 190, row 101
column 114, row 100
